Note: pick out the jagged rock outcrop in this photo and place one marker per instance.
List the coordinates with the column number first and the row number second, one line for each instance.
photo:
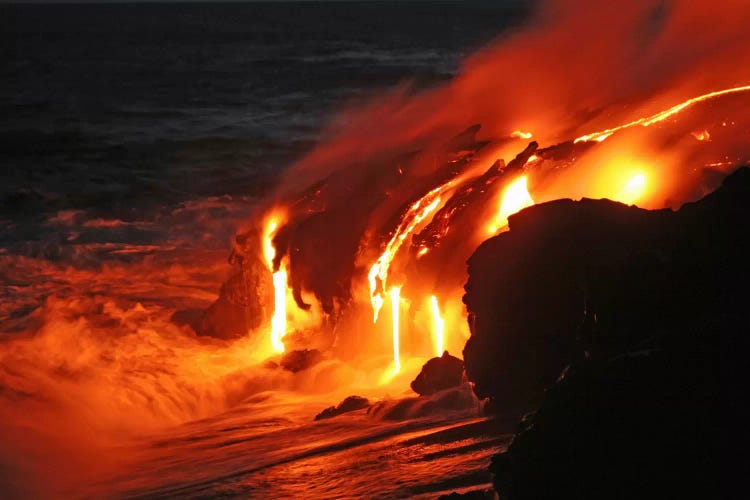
column 352, row 403
column 647, row 309
column 246, row 299
column 529, row 289
column 438, row 374
column 625, row 427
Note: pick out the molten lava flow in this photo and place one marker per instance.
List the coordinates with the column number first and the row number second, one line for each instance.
column 521, row 135
column 438, row 326
column 515, row 198
column 269, row 252
column 378, row 275
column 395, row 294
column 278, row 320
column 633, row 189
column 663, row 115
column 702, row 135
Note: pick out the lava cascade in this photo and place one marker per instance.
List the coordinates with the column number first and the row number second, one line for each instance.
column 645, row 116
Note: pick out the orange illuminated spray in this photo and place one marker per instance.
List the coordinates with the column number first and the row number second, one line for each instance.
column 438, row 326
column 395, row 294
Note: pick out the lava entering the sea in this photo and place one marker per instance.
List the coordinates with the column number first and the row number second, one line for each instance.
column 444, row 223
column 373, row 218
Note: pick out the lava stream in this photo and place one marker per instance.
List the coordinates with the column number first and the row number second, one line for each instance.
column 278, row 320
column 661, row 116
column 417, row 213
column 515, row 198
column 438, row 326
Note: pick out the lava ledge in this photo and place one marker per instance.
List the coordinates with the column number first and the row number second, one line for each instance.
column 438, row 374
column 645, row 315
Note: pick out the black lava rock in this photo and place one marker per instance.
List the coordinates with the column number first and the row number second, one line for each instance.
column 352, row 403
column 597, row 278
column 648, row 311
column 439, row 374
column 627, row 427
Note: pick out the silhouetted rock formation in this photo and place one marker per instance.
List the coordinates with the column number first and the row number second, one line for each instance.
column 641, row 306
column 296, row 361
column 639, row 425
column 246, row 298
column 439, row 374
column 352, row 403
column 529, row 289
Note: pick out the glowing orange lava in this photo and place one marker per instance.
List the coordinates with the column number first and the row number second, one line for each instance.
column 702, row 135
column 278, row 320
column 378, row 275
column 516, row 197
column 438, row 326
column 633, row 190
column 663, row 115
column 521, row 135
column 395, row 294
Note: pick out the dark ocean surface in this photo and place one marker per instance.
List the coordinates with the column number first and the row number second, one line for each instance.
column 121, row 110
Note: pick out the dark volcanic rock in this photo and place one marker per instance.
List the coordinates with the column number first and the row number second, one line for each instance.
column 527, row 292
column 296, row 361
column 245, row 300
column 648, row 309
column 352, row 403
column 439, row 374
column 597, row 277
column 622, row 428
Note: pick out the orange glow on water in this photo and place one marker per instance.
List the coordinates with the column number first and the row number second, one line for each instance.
column 438, row 326
column 516, row 197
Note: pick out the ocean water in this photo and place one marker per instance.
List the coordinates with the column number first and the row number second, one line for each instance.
column 123, row 108
column 136, row 140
